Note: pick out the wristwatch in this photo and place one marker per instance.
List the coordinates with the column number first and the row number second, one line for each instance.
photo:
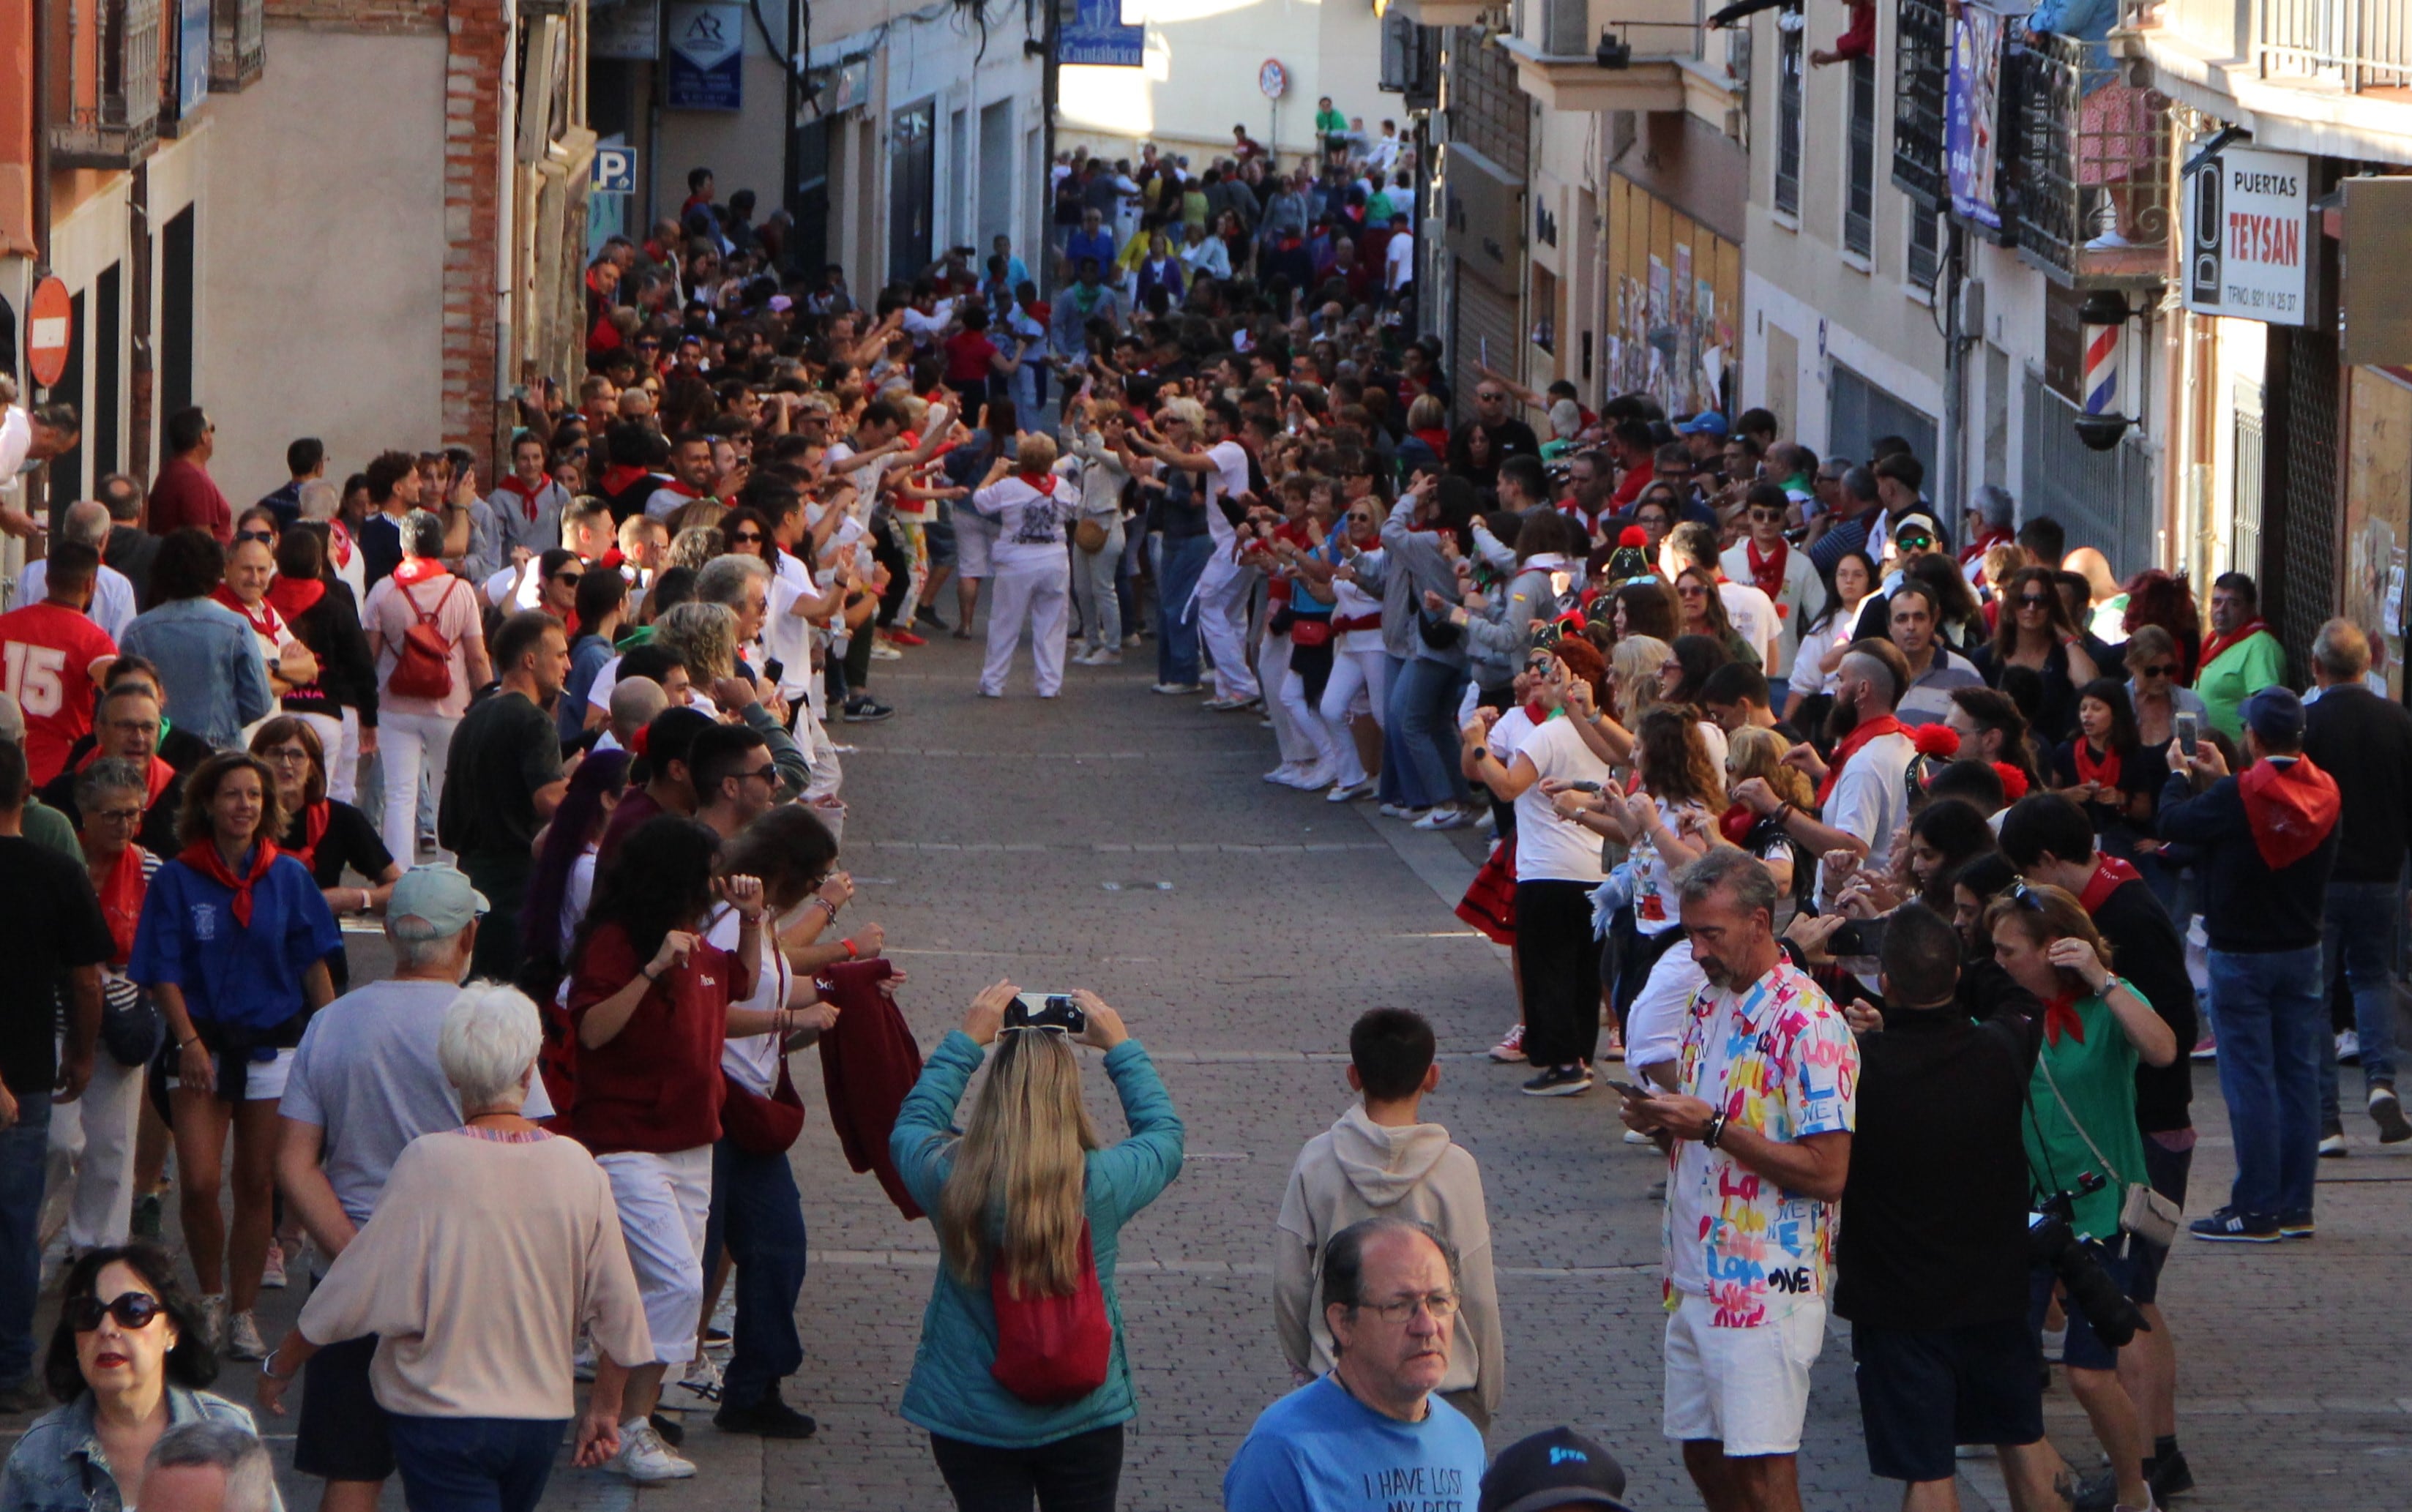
column 1715, row 1130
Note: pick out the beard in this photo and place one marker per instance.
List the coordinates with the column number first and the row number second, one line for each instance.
column 1842, row 719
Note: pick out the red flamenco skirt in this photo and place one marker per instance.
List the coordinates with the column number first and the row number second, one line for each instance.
column 1490, row 902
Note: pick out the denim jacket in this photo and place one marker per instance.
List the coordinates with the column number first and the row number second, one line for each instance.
column 59, row 1465
column 208, row 663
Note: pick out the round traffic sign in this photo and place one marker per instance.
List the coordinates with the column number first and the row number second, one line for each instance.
column 1274, row 79
column 50, row 328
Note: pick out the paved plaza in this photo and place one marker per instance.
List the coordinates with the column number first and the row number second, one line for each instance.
column 1120, row 842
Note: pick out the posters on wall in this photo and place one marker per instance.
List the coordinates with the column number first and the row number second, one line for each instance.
column 1971, row 116
column 2378, row 517
column 1675, row 288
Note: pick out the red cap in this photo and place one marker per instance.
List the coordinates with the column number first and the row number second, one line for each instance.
column 1633, row 535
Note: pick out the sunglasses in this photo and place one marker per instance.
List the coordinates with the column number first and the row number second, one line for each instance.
column 2033, row 601
column 573, row 578
column 1912, row 541
column 1767, row 514
column 2163, row 669
column 266, row 537
column 769, row 775
column 135, row 1309
column 746, row 537
column 2026, row 897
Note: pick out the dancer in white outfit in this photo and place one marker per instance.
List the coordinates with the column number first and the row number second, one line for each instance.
column 1221, row 601
column 1032, row 578
column 1360, row 673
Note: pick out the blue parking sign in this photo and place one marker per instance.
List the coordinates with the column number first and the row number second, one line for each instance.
column 614, row 170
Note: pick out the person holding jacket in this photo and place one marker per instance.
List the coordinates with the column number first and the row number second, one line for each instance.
column 1379, row 1158
column 1028, row 1134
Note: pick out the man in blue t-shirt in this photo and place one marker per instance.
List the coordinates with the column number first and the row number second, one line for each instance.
column 1371, row 1434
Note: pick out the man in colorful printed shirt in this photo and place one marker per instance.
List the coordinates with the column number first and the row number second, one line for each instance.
column 1762, row 1122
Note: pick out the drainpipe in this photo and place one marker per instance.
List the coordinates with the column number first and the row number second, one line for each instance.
column 506, row 258
column 139, row 390
column 1954, row 495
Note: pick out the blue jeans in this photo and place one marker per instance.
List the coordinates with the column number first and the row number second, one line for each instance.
column 1176, row 632
column 2272, row 1022
column 755, row 1207
column 1420, row 740
column 473, row 1464
column 24, row 1151
column 2358, row 933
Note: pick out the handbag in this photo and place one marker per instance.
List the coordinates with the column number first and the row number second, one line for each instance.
column 762, row 1126
column 1051, row 1350
column 422, row 669
column 2142, row 1212
column 131, row 1030
column 1089, row 535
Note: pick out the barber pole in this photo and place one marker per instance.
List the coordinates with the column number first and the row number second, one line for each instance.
column 2101, row 318
column 2101, row 369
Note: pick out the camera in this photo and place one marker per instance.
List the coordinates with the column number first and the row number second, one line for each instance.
column 1054, row 1011
column 2052, row 1240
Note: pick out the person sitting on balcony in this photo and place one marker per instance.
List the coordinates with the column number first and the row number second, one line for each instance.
column 1858, row 39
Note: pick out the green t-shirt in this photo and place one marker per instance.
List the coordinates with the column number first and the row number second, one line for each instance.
column 46, row 826
column 2097, row 1076
column 1330, row 123
column 2241, row 670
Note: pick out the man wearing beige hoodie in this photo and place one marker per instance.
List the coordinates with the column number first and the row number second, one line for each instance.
column 1378, row 1158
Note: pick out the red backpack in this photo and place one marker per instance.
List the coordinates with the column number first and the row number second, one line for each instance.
column 422, row 667
column 1050, row 1350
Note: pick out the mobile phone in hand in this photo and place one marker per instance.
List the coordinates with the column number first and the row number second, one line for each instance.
column 2188, row 734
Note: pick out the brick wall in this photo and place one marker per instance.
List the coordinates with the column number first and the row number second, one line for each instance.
column 1486, row 111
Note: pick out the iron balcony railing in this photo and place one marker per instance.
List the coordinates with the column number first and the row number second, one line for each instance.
column 112, row 115
column 2092, row 195
column 2345, row 44
column 237, row 44
column 1922, row 75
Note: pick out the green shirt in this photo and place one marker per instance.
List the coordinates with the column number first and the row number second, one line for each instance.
column 2097, row 1076
column 46, row 826
column 2240, row 671
column 1331, row 124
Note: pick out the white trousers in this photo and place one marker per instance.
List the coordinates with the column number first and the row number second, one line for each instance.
column 1327, row 759
column 91, row 1168
column 1221, row 606
column 344, row 761
column 411, row 746
column 1040, row 594
column 664, row 1203
column 1298, row 749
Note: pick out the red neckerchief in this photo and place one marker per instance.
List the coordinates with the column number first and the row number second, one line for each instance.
column 1867, row 730
column 340, row 535
column 292, row 597
column 418, row 569
column 674, row 486
column 2291, row 805
column 527, row 493
column 265, row 621
column 1043, row 483
column 2110, row 875
column 313, row 830
column 121, row 902
column 1982, row 544
column 1767, row 573
column 2217, row 642
column 202, row 857
column 2103, row 772
column 1536, row 713
column 620, row 475
column 2060, row 1014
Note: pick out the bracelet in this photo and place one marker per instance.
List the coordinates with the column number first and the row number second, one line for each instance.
column 1714, row 1132
column 365, row 903
column 189, row 1044
column 648, row 973
column 268, row 1367
column 851, row 953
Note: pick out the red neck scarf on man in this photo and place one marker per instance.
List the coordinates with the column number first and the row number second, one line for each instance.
column 525, row 492
column 202, row 856
column 2218, row 641
column 2102, row 770
column 121, row 902
column 1767, row 573
column 156, row 777
column 2291, row 804
column 2060, row 1016
column 2110, row 875
column 1866, row 730
column 264, row 621
column 418, row 569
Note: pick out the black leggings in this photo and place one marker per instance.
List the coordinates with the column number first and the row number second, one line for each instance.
column 1080, row 1473
column 1560, row 963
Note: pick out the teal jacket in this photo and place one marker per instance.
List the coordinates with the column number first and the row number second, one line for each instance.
column 951, row 1392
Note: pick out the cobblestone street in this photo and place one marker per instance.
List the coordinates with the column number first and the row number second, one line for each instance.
column 1121, row 841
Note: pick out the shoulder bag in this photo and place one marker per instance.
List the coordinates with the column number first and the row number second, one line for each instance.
column 2142, row 1212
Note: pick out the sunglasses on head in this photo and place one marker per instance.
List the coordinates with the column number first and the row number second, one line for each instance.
column 2026, row 897
column 134, row 1310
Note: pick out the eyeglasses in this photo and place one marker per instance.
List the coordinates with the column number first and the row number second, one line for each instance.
column 2161, row 669
column 134, row 1310
column 1767, row 514
column 1689, row 589
column 267, row 538
column 285, row 755
column 1490, row 397
column 1440, row 1306
column 131, row 816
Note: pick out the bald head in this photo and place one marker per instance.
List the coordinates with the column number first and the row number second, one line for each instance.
column 87, row 520
column 1866, row 667
column 635, row 701
column 2095, row 568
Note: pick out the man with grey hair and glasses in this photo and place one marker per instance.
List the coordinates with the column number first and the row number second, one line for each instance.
column 207, row 1465
column 1758, row 1129
column 112, row 606
column 1374, row 1430
column 365, row 1082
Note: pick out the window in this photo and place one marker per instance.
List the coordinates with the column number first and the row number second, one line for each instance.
column 1925, row 247
column 1859, row 188
column 1788, row 118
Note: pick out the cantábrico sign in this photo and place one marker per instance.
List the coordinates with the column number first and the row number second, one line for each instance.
column 2248, row 232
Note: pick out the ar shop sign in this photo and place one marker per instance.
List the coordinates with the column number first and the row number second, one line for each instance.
column 707, row 58
column 2247, row 233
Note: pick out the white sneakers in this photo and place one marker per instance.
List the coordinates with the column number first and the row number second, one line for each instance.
column 1444, row 818
column 243, row 1338
column 644, row 1458
column 697, row 1390
column 1296, row 775
column 213, row 1321
column 1349, row 792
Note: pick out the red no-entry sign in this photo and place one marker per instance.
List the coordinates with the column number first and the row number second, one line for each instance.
column 49, row 331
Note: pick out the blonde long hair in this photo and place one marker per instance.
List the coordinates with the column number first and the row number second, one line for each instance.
column 1636, row 662
column 1754, row 751
column 1022, row 1157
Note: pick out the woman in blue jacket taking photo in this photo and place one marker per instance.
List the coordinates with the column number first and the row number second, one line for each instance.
column 1010, row 1421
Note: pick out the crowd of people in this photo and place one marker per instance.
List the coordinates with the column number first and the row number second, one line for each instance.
column 1904, row 857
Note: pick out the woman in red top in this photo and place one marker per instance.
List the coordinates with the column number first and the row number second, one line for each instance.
column 649, row 1003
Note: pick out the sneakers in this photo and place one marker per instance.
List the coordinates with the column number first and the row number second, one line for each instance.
column 904, row 637
column 1349, row 792
column 1176, row 689
column 2297, row 1225
column 865, row 710
column 1102, row 656
column 1443, row 818
column 2348, row 1047
column 2055, row 1343
column 2388, row 1114
column 2169, row 1475
column 1510, row 1048
column 1399, row 811
column 697, row 1390
column 2333, row 1141
column 2229, row 1227
column 213, row 1321
column 271, row 1276
column 644, row 1458
column 768, row 1418
column 1289, row 774
column 1133, row 641
column 2207, row 1048
column 243, row 1338
column 1229, row 706
column 882, row 651
column 1559, row 1081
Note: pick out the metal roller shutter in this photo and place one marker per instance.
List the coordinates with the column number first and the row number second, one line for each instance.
column 1481, row 319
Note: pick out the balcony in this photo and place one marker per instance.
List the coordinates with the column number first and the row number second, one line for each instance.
column 2088, row 177
column 110, row 118
column 2330, row 77
column 1922, row 75
column 238, row 45
column 2349, row 45
column 1444, row 12
column 1556, row 48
